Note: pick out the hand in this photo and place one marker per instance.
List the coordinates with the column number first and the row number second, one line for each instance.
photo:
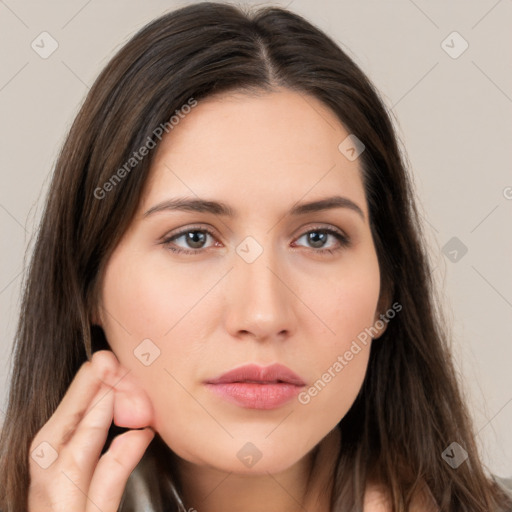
column 79, row 480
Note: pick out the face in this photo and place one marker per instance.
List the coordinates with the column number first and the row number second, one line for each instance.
column 188, row 295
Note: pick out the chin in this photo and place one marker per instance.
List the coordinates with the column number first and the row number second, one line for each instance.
column 243, row 457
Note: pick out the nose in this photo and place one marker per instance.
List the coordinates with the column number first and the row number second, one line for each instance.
column 260, row 300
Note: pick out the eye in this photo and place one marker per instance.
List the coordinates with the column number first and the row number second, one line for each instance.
column 194, row 237
column 318, row 237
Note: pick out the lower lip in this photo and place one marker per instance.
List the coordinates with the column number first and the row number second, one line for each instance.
column 256, row 396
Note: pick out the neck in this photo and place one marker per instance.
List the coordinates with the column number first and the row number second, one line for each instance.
column 207, row 489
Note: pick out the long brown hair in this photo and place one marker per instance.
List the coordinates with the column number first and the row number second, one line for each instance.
column 410, row 407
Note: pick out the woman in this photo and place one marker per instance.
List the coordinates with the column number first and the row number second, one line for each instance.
column 286, row 356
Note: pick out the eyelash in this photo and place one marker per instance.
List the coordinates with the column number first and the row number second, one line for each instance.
column 343, row 240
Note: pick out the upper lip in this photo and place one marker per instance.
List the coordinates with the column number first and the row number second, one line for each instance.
column 259, row 374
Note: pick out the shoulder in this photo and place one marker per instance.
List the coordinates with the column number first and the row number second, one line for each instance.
column 378, row 499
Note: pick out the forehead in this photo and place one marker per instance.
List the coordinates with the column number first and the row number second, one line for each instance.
column 279, row 146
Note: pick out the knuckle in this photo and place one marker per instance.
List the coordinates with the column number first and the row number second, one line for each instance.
column 70, row 427
column 74, row 461
column 114, row 462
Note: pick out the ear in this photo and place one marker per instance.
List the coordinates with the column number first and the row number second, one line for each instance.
column 380, row 321
column 95, row 320
column 95, row 303
column 96, row 316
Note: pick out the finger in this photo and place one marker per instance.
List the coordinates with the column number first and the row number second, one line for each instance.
column 81, row 453
column 132, row 407
column 65, row 482
column 85, row 445
column 114, row 468
column 79, row 397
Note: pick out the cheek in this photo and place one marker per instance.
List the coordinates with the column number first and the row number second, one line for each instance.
column 347, row 307
column 339, row 377
column 338, row 367
column 149, row 297
column 151, row 305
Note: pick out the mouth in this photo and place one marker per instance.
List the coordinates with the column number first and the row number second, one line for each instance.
column 255, row 387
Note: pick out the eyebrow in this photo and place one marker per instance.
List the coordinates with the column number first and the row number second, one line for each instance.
column 219, row 208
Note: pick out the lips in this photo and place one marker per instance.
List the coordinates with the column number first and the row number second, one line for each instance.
column 256, row 387
column 273, row 374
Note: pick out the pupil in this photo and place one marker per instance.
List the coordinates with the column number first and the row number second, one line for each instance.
column 193, row 236
column 315, row 236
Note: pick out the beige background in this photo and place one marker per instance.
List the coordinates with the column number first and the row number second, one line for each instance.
column 453, row 116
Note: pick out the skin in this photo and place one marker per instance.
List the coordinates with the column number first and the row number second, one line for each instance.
column 66, row 470
column 212, row 311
